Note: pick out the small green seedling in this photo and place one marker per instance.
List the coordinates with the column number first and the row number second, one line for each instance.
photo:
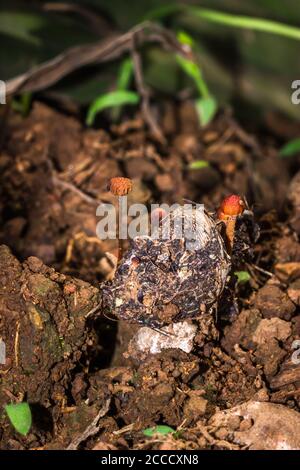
column 119, row 97
column 160, row 429
column 109, row 100
column 20, row 417
column 125, row 75
column 206, row 108
column 243, row 276
column 290, row 149
column 198, row 165
column 206, row 105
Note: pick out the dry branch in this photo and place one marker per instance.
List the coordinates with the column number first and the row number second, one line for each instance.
column 92, row 428
column 50, row 72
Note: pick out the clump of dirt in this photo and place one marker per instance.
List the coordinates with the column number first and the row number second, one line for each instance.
column 45, row 331
column 69, row 363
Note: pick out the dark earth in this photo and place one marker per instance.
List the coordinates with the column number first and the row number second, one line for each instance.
column 238, row 388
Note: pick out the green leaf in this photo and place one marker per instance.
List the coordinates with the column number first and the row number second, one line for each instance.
column 198, row 165
column 125, row 74
column 109, row 100
column 291, row 148
column 20, row 417
column 184, row 38
column 228, row 19
column 243, row 276
column 206, row 108
column 160, row 429
column 206, row 105
column 123, row 82
column 194, row 72
column 246, row 22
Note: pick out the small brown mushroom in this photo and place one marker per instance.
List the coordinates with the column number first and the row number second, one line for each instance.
column 119, row 186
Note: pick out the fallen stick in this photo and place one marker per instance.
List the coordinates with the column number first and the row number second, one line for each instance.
column 50, row 72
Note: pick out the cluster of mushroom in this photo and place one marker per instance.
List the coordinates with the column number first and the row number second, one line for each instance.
column 160, row 282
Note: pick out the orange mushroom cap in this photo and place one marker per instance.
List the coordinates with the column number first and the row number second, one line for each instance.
column 232, row 205
column 120, row 186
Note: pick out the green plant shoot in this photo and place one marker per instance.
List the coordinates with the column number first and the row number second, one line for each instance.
column 110, row 100
column 20, row 417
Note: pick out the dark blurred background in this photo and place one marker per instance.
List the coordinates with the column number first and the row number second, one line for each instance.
column 251, row 70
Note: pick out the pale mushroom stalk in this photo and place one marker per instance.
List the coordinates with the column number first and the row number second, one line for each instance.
column 120, row 187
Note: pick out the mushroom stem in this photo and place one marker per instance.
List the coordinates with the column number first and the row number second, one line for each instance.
column 230, row 223
column 120, row 187
column 230, row 209
column 121, row 244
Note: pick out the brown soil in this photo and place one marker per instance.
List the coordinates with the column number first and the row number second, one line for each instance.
column 69, row 366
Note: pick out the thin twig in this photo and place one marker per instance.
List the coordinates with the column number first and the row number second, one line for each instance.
column 92, row 428
column 144, row 93
column 93, row 310
column 17, row 344
column 71, row 187
column 261, row 270
column 48, row 73
column 124, row 430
